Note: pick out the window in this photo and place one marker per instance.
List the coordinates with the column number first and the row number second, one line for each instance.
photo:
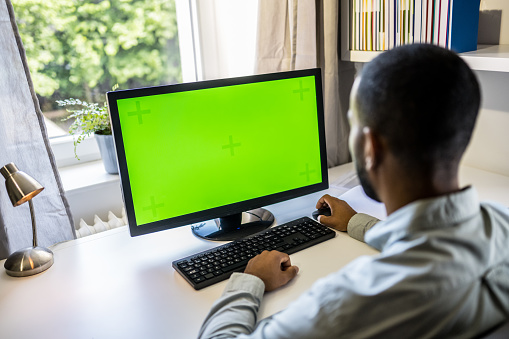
column 82, row 48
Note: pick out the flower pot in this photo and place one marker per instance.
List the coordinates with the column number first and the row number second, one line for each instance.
column 108, row 154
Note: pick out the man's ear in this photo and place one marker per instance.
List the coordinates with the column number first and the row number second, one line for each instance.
column 373, row 149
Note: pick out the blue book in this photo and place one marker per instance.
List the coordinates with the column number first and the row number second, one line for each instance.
column 463, row 25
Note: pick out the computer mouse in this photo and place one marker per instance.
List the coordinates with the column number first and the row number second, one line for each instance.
column 322, row 211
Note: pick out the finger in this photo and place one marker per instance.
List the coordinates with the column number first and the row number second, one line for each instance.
column 285, row 261
column 291, row 267
column 322, row 202
column 330, row 202
column 290, row 273
column 281, row 256
column 325, row 220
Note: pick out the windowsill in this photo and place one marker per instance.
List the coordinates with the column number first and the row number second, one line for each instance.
column 85, row 175
column 63, row 150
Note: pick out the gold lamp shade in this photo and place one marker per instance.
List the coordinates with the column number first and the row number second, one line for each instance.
column 20, row 186
column 31, row 260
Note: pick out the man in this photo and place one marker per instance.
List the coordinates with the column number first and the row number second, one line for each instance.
column 443, row 269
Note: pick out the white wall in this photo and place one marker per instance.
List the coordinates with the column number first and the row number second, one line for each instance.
column 489, row 148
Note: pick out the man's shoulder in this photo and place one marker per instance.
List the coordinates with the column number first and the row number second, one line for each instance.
column 496, row 208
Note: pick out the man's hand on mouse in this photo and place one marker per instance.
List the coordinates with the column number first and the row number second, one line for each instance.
column 274, row 268
column 341, row 212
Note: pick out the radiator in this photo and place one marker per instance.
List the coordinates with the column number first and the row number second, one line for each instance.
column 100, row 225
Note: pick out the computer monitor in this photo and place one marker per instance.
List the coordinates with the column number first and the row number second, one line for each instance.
column 202, row 153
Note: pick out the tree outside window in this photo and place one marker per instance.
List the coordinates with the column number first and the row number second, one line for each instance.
column 82, row 48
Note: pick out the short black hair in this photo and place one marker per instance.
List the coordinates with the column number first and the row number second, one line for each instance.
column 424, row 100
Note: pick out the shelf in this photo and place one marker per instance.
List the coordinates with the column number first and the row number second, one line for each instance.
column 360, row 56
column 493, row 58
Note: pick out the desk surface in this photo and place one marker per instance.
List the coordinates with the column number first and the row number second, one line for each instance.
column 110, row 285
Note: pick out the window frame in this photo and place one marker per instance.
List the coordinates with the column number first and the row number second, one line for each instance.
column 63, row 150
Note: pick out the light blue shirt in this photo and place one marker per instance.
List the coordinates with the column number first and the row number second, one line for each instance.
column 443, row 271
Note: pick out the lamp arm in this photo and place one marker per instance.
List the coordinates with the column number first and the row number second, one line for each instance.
column 32, row 215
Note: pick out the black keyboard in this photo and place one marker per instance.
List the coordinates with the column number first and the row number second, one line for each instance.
column 217, row 264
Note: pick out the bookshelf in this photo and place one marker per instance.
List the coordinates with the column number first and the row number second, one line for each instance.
column 493, row 58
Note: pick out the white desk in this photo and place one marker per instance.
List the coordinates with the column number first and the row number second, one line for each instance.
column 110, row 285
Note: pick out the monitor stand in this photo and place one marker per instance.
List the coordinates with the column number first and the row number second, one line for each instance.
column 235, row 226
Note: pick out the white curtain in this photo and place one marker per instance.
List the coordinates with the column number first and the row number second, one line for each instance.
column 299, row 34
column 24, row 141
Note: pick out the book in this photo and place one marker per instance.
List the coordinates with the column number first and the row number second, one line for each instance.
column 463, row 25
column 436, row 21
column 429, row 21
column 378, row 36
column 379, row 25
column 386, row 25
column 359, row 24
column 369, row 25
column 364, row 25
column 398, row 23
column 424, row 20
column 375, row 32
column 417, row 21
column 392, row 23
column 410, row 21
column 443, row 22
column 355, row 32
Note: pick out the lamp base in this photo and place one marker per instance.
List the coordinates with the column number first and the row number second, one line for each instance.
column 28, row 261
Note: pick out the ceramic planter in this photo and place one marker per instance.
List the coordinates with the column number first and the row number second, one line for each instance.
column 108, row 154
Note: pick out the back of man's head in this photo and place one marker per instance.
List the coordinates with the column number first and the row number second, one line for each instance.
column 424, row 101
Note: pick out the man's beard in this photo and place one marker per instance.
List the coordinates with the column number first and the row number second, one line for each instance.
column 360, row 167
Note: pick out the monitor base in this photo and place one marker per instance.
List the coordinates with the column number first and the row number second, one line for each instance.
column 235, row 226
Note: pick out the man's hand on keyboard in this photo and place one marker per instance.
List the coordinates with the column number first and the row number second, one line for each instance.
column 274, row 268
column 341, row 212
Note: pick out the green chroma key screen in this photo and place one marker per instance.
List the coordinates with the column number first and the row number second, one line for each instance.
column 195, row 150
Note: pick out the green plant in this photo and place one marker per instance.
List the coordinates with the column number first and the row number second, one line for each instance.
column 89, row 118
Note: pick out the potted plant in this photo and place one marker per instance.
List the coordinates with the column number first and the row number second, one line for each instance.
column 92, row 118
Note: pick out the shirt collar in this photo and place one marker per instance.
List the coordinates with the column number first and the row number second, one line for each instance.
column 425, row 214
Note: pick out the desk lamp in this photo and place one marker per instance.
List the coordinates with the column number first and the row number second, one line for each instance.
column 31, row 260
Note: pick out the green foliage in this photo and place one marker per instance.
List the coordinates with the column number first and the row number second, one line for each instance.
column 89, row 118
column 80, row 48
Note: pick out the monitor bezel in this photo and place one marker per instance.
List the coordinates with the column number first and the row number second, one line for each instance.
column 189, row 219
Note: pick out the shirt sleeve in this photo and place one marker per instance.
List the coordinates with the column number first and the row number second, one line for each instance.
column 359, row 224
column 235, row 313
column 329, row 309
